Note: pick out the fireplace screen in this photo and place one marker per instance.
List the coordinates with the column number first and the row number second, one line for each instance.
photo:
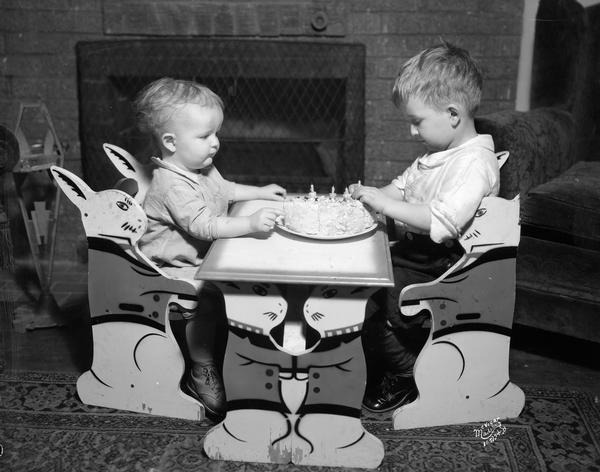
column 294, row 111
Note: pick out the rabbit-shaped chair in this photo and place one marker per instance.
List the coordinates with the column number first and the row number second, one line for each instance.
column 131, row 170
column 137, row 363
column 462, row 371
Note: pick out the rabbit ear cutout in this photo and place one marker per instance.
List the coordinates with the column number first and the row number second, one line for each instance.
column 74, row 188
column 127, row 185
column 502, row 157
column 121, row 159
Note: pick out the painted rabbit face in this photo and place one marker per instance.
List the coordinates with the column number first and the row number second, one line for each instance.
column 496, row 223
column 327, row 304
column 109, row 213
column 115, row 214
column 268, row 307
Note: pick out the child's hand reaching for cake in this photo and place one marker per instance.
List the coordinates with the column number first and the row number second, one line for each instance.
column 272, row 192
column 371, row 196
column 353, row 187
column 264, row 219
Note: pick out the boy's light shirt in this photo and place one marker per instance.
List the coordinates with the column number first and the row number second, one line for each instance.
column 183, row 208
column 453, row 183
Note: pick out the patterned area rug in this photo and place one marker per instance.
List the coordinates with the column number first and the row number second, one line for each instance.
column 44, row 427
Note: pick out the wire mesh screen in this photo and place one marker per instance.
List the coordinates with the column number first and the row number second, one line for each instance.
column 294, row 111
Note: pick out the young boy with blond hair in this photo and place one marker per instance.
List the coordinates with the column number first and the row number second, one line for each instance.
column 187, row 204
column 432, row 202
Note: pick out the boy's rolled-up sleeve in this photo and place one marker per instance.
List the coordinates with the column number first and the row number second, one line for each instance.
column 459, row 198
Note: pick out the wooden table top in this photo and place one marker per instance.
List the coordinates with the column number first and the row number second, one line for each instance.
column 281, row 257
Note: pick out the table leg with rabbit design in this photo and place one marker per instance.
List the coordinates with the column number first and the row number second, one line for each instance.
column 295, row 376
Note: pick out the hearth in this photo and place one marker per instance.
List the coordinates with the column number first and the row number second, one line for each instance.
column 294, row 111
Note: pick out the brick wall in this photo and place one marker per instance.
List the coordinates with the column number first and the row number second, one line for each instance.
column 38, row 37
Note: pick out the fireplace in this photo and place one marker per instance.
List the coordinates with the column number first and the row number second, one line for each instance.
column 294, row 111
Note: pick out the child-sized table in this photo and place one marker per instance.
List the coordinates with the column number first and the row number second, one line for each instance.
column 294, row 368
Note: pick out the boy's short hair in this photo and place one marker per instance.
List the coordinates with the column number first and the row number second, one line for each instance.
column 440, row 75
column 156, row 103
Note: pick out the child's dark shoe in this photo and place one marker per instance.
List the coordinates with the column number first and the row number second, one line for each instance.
column 392, row 392
column 204, row 383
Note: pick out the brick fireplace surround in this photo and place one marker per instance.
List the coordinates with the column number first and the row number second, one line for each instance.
column 38, row 41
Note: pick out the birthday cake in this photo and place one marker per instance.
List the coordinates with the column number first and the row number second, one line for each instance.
column 326, row 215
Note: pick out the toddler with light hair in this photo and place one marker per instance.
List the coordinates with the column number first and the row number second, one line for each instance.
column 186, row 205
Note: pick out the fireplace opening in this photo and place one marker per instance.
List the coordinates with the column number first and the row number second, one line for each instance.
column 294, row 111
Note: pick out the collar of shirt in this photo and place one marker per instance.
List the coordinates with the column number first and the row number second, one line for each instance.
column 436, row 159
column 193, row 176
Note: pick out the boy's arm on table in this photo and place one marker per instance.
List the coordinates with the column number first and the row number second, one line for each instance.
column 417, row 215
column 390, row 190
column 194, row 216
column 260, row 221
column 387, row 201
column 252, row 192
column 393, row 191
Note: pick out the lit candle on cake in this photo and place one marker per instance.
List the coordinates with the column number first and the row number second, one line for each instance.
column 332, row 193
column 346, row 195
column 312, row 194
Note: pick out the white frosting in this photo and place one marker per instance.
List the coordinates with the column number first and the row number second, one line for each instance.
column 326, row 216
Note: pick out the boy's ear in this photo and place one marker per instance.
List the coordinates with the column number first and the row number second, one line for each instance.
column 455, row 114
column 168, row 141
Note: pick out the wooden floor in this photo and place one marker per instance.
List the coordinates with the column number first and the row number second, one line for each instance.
column 537, row 358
